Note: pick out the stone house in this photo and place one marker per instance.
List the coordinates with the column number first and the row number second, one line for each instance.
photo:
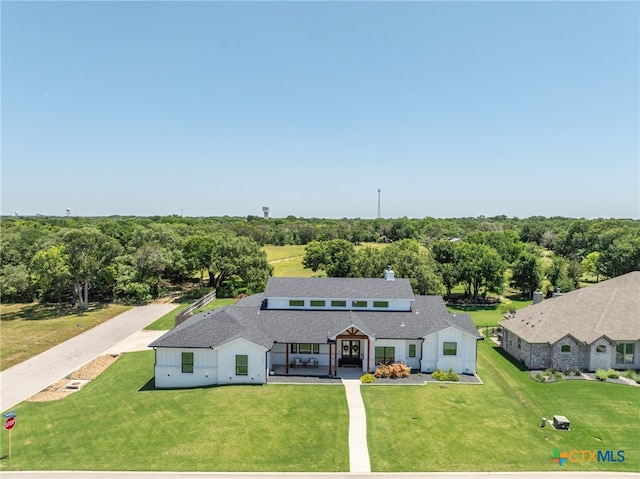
column 596, row 327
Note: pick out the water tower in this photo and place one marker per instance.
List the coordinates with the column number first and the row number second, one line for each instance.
column 265, row 212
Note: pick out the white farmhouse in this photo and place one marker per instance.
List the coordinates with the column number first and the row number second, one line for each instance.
column 320, row 324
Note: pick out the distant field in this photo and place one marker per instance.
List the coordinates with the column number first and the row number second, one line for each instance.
column 278, row 253
column 287, row 261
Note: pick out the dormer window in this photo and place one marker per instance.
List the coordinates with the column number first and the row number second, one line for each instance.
column 381, row 304
column 317, row 303
column 359, row 304
column 338, row 303
column 296, row 303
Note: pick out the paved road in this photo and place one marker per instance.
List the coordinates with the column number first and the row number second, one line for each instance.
column 316, row 475
column 27, row 378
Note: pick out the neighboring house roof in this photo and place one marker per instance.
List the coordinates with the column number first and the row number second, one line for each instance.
column 610, row 308
column 339, row 288
column 250, row 320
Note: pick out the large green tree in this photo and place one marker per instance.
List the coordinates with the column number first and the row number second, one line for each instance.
column 88, row 250
column 444, row 254
column 335, row 257
column 50, row 273
column 240, row 257
column 409, row 259
column 480, row 267
column 527, row 273
column 197, row 251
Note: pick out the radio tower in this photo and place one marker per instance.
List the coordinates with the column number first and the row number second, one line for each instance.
column 378, row 203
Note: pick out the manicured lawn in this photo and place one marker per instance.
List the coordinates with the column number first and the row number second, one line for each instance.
column 30, row 329
column 119, row 422
column 483, row 316
column 496, row 426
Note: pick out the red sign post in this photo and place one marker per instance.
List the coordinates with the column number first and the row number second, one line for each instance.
column 8, row 425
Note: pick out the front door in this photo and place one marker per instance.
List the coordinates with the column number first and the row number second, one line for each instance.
column 351, row 352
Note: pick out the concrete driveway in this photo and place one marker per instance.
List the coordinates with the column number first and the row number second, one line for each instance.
column 25, row 379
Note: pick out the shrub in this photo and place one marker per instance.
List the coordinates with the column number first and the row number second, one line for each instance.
column 630, row 374
column 553, row 375
column 367, row 378
column 452, row 376
column 602, row 375
column 382, row 371
column 613, row 374
column 448, row 376
column 392, row 371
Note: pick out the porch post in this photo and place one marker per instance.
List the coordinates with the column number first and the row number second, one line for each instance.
column 368, row 353
column 329, row 359
column 335, row 359
column 286, row 345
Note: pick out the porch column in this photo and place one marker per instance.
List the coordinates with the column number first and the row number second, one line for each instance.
column 335, row 359
column 286, row 345
column 329, row 359
column 368, row 353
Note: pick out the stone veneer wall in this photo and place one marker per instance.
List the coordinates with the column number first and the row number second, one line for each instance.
column 577, row 358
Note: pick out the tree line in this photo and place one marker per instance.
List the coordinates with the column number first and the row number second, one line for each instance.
column 131, row 259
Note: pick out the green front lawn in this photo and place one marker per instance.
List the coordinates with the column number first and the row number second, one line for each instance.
column 119, row 422
column 496, row 426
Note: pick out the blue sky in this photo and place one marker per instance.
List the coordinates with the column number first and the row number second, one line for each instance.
column 219, row 108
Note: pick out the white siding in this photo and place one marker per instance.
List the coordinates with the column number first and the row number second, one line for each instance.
column 210, row 366
column 464, row 362
column 394, row 304
column 430, row 354
column 168, row 368
column 257, row 371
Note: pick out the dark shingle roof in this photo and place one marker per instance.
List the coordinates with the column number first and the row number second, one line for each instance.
column 339, row 288
column 610, row 308
column 262, row 326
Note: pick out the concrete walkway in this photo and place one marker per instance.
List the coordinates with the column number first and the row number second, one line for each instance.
column 25, row 379
column 358, row 450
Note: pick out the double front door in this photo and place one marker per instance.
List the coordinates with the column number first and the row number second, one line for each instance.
column 351, row 352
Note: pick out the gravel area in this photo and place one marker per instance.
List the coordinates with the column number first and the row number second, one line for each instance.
column 86, row 373
column 411, row 380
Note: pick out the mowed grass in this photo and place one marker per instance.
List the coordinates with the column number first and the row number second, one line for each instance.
column 167, row 321
column 119, row 422
column 287, row 261
column 30, row 329
column 496, row 426
column 492, row 315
